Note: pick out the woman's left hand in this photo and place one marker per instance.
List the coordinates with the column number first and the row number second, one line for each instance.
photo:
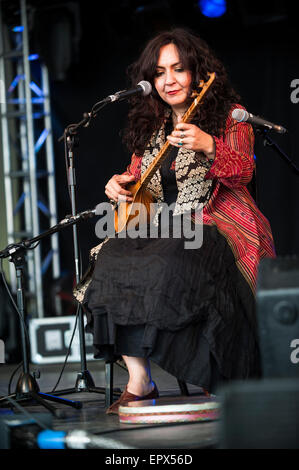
column 193, row 138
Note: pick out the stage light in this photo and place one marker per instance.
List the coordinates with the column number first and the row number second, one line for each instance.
column 212, row 8
column 33, row 57
column 18, row 29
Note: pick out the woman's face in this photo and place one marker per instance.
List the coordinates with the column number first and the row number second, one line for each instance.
column 172, row 82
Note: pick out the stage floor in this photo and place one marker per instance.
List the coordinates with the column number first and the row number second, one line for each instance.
column 92, row 418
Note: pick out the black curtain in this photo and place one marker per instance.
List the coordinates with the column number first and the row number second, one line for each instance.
column 261, row 58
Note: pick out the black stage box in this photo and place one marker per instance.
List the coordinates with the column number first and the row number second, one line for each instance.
column 278, row 316
column 260, row 414
column 264, row 414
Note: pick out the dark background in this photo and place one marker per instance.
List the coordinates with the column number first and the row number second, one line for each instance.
column 88, row 45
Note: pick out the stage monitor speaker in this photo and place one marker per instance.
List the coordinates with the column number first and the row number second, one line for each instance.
column 50, row 338
column 259, row 414
column 278, row 316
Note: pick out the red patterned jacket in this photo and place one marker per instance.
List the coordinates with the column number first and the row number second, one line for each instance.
column 231, row 208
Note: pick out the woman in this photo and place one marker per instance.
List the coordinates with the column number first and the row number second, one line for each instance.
column 189, row 310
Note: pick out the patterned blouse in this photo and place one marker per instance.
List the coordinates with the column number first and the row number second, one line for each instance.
column 231, row 207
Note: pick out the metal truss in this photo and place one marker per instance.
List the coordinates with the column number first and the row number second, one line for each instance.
column 27, row 156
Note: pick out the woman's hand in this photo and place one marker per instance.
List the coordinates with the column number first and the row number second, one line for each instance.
column 115, row 188
column 193, row 138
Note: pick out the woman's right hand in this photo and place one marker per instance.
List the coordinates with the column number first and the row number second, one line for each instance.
column 115, row 188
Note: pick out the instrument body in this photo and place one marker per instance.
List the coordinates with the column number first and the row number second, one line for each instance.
column 142, row 200
column 139, row 211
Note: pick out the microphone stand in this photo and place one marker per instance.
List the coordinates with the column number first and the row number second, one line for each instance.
column 27, row 388
column 84, row 381
column 271, row 143
column 267, row 141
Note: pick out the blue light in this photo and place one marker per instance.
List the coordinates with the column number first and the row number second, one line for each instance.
column 36, row 89
column 23, row 101
column 41, row 140
column 19, row 203
column 15, row 82
column 33, row 57
column 212, row 8
column 49, row 439
column 18, row 29
column 45, row 266
column 43, row 208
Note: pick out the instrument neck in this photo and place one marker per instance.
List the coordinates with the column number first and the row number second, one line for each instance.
column 187, row 117
column 164, row 152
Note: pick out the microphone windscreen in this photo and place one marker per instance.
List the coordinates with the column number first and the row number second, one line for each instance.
column 240, row 115
column 146, row 86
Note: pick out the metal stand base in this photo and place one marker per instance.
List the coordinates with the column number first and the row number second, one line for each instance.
column 27, row 390
column 85, row 383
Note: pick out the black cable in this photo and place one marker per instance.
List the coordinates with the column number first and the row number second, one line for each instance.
column 73, row 334
column 14, row 304
column 27, row 339
column 66, row 164
column 68, row 351
column 32, row 247
column 72, row 129
column 94, row 111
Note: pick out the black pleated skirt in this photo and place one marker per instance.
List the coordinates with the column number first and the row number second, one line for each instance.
column 188, row 310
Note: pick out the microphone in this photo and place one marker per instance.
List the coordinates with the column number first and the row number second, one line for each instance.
column 241, row 115
column 81, row 215
column 76, row 439
column 142, row 87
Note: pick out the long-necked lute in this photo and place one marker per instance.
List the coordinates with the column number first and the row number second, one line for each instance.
column 140, row 209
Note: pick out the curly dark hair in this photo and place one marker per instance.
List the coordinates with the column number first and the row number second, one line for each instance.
column 146, row 114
